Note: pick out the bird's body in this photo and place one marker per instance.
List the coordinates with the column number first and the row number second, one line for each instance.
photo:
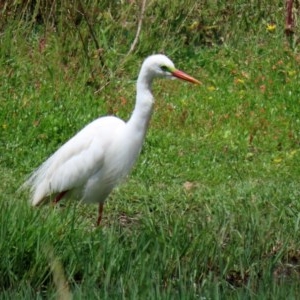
column 91, row 163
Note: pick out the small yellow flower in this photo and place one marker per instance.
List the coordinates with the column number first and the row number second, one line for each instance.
column 194, row 25
column 271, row 27
column 211, row 88
column 292, row 153
column 239, row 81
column 277, row 160
column 292, row 73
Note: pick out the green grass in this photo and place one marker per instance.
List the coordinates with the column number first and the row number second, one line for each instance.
column 210, row 211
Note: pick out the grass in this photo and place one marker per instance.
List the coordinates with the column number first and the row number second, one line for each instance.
column 210, row 211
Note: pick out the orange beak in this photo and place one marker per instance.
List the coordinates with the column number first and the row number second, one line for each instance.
column 181, row 75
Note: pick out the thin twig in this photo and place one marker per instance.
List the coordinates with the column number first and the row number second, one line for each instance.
column 289, row 21
column 139, row 28
column 102, row 87
column 83, row 13
column 81, row 10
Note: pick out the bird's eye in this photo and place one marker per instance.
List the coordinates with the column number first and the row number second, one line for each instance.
column 165, row 68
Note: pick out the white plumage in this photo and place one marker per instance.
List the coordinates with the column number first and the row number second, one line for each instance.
column 91, row 163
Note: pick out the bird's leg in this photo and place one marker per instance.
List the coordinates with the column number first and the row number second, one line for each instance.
column 100, row 211
column 59, row 197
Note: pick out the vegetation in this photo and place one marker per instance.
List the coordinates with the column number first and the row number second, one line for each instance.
column 211, row 210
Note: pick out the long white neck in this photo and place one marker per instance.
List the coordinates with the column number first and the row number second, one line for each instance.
column 144, row 103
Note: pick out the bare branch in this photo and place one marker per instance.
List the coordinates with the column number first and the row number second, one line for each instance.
column 289, row 21
column 139, row 28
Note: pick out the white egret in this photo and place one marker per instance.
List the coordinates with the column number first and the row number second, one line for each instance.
column 91, row 163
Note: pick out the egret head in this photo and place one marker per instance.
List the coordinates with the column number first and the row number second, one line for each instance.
column 159, row 65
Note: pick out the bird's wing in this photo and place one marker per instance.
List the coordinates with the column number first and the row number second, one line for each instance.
column 73, row 170
column 72, row 164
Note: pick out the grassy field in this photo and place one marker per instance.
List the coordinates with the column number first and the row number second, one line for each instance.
column 211, row 209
